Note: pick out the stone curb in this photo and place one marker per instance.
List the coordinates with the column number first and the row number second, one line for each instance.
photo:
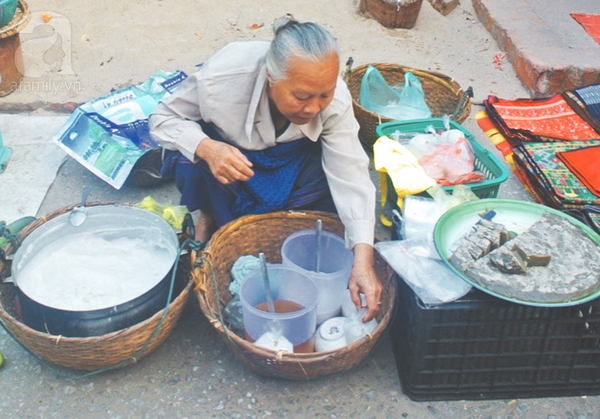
column 67, row 107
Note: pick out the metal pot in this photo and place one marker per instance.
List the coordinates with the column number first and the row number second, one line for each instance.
column 114, row 222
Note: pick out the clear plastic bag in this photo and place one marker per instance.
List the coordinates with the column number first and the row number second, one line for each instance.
column 233, row 314
column 379, row 97
column 415, row 257
column 420, row 214
column 354, row 327
column 412, row 99
column 433, row 281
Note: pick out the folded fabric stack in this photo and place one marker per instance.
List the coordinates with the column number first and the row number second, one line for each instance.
column 554, row 147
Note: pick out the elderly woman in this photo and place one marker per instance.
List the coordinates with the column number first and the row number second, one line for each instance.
column 269, row 126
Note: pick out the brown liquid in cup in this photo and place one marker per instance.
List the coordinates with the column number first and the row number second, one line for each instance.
column 286, row 306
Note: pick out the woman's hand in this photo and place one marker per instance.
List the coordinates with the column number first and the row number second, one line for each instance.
column 364, row 279
column 226, row 162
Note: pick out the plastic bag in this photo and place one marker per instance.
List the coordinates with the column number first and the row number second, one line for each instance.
column 377, row 96
column 234, row 314
column 452, row 164
column 354, row 327
column 425, row 143
column 408, row 177
column 172, row 214
column 448, row 157
column 109, row 134
column 432, row 281
column 275, row 341
column 412, row 99
column 420, row 214
column 460, row 194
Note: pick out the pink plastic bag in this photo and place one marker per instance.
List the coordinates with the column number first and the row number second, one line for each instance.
column 452, row 164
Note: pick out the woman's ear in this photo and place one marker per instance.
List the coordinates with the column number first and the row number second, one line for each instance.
column 270, row 79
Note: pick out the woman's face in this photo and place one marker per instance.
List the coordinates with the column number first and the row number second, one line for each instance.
column 307, row 90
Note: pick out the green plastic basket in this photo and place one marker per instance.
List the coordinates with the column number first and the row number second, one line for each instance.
column 7, row 11
column 495, row 173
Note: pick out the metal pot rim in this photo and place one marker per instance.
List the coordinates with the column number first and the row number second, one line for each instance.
column 98, row 216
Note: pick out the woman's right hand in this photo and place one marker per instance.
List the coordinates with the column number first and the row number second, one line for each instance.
column 227, row 163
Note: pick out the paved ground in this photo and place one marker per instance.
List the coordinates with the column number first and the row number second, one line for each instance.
column 193, row 374
column 549, row 50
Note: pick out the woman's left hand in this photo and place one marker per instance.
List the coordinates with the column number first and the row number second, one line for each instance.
column 363, row 279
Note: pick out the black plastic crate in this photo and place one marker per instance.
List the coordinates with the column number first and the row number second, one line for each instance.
column 481, row 347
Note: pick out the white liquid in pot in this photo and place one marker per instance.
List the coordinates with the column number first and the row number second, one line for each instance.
column 92, row 270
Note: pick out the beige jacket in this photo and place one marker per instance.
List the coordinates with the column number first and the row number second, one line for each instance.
column 229, row 91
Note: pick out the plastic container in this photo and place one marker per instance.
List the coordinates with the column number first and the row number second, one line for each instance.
column 481, row 347
column 286, row 284
column 485, row 162
column 299, row 250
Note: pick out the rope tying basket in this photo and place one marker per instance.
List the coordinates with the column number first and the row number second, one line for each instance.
column 443, row 95
column 112, row 350
column 250, row 235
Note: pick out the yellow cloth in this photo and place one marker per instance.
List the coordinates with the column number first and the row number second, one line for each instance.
column 407, row 176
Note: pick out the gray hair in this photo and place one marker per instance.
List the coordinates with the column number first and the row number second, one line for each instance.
column 307, row 41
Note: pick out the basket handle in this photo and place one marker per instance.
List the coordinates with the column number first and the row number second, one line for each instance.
column 200, row 271
column 467, row 93
column 347, row 69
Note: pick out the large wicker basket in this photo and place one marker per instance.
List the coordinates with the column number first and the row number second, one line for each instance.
column 443, row 95
column 18, row 22
column 11, row 57
column 265, row 233
column 392, row 14
column 109, row 351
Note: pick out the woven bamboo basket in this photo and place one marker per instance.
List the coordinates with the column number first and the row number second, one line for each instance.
column 18, row 22
column 109, row 351
column 265, row 233
column 11, row 57
column 392, row 14
column 443, row 95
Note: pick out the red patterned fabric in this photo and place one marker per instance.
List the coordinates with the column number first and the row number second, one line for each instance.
column 591, row 24
column 585, row 164
column 551, row 117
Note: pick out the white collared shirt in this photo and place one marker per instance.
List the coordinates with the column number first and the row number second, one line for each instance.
column 230, row 91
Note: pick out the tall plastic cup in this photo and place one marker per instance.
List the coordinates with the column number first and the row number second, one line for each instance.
column 290, row 288
column 299, row 250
